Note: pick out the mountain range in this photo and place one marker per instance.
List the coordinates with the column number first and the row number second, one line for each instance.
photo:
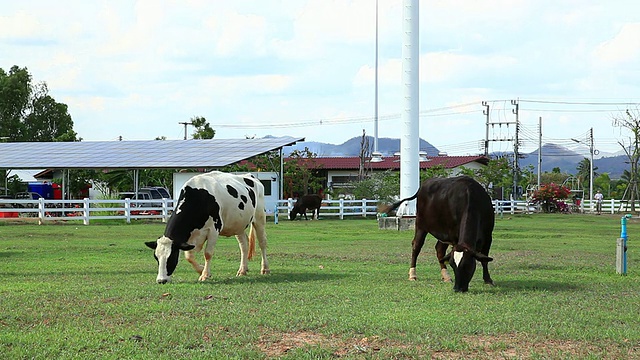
column 552, row 155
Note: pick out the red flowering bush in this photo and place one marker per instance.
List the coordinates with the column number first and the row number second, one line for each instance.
column 550, row 197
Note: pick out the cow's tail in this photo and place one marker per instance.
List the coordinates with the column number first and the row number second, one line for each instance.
column 390, row 208
column 252, row 242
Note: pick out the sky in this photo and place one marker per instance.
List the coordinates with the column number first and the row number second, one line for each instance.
column 306, row 68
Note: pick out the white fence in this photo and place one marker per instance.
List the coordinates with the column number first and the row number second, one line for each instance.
column 86, row 210
column 330, row 208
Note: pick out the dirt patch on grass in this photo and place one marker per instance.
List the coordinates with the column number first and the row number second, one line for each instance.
column 522, row 346
column 500, row 347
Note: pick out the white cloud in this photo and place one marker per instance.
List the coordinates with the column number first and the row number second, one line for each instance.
column 623, row 48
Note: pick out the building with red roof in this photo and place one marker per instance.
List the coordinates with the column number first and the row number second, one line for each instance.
column 339, row 171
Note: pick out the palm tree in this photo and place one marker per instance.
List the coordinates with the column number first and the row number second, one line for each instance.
column 584, row 172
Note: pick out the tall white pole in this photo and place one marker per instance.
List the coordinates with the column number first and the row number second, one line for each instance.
column 375, row 129
column 591, row 170
column 410, row 137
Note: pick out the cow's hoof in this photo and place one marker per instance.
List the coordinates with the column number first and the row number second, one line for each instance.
column 265, row 271
column 241, row 273
column 203, row 277
column 447, row 280
column 412, row 274
column 490, row 282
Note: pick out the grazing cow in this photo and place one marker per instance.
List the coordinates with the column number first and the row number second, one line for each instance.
column 456, row 211
column 311, row 202
column 210, row 205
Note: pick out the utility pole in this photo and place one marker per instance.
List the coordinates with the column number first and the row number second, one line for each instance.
column 185, row 128
column 486, row 139
column 515, row 149
column 492, row 125
column 539, row 150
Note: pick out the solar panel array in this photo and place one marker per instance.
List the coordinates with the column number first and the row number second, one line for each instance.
column 209, row 153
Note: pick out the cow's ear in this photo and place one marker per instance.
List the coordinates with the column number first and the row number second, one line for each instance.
column 186, row 247
column 152, row 244
column 482, row 258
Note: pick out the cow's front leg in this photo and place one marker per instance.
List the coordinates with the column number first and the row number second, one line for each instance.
column 208, row 254
column 441, row 252
column 485, row 274
column 191, row 258
column 243, row 242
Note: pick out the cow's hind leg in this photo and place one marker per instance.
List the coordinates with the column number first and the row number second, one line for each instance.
column 243, row 242
column 416, row 245
column 441, row 252
column 259, row 231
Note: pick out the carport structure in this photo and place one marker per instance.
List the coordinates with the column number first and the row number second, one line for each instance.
column 136, row 155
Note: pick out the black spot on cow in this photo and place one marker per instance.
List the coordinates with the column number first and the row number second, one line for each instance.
column 232, row 191
column 252, row 195
column 189, row 215
column 243, row 198
column 241, row 206
column 249, row 182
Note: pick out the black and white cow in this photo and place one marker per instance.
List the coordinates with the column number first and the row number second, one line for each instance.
column 458, row 212
column 210, row 205
column 304, row 203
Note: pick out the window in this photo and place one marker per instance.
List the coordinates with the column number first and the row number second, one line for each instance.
column 267, row 187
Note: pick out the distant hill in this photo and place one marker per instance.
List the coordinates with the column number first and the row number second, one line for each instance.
column 351, row 147
column 552, row 155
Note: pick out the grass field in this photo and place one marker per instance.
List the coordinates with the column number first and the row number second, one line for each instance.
column 338, row 288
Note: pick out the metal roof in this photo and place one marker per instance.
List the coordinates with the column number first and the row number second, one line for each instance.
column 210, row 153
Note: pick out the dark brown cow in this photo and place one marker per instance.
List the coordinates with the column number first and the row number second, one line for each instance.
column 456, row 211
column 310, row 202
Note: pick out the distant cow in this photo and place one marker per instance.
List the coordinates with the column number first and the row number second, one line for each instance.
column 456, row 211
column 304, row 203
column 210, row 205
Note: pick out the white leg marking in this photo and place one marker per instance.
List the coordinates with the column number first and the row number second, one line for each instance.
column 445, row 275
column 412, row 274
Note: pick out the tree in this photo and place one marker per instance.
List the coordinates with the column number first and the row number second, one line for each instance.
column 299, row 173
column 365, row 153
column 550, row 197
column 203, row 129
column 29, row 113
column 631, row 121
column 584, row 171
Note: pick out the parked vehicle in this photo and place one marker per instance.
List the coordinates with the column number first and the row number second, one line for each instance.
column 156, row 192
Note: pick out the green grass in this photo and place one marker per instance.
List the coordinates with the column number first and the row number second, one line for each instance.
column 338, row 288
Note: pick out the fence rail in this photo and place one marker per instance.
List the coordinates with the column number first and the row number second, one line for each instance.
column 86, row 210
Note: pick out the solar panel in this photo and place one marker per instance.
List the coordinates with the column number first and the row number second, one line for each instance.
column 194, row 153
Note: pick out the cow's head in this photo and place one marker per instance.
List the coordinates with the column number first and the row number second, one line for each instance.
column 463, row 263
column 293, row 213
column 167, row 253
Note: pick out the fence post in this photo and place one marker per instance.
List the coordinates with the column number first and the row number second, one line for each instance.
column 41, row 211
column 341, row 209
column 85, row 211
column 127, row 210
column 165, row 210
column 289, row 205
column 364, row 208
